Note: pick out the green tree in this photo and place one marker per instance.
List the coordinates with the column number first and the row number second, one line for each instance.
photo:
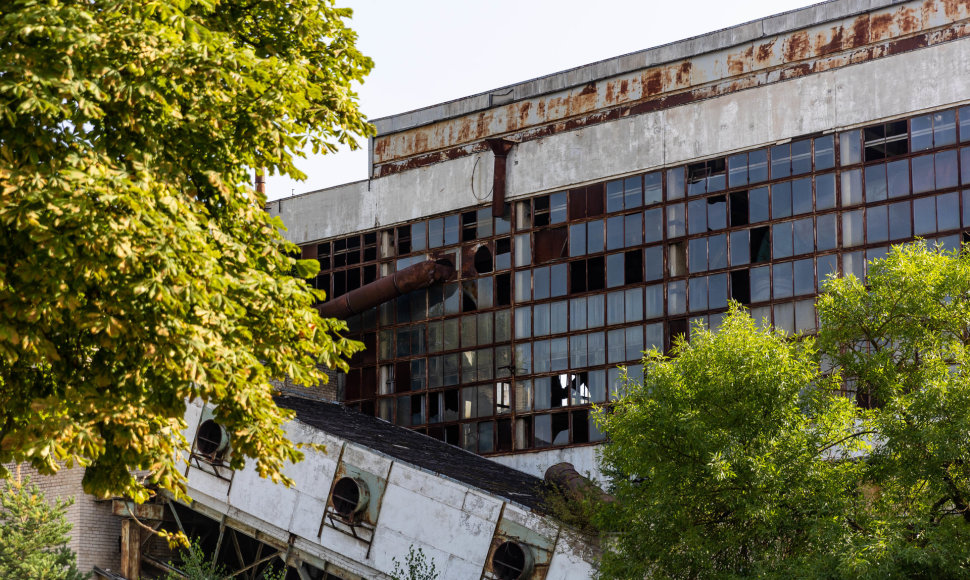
column 197, row 565
column 34, row 535
column 737, row 456
column 138, row 269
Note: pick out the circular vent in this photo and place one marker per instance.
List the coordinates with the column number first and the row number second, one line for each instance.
column 512, row 561
column 350, row 497
column 212, row 439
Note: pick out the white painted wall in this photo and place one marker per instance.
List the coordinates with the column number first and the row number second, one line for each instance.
column 934, row 77
column 453, row 523
column 585, row 459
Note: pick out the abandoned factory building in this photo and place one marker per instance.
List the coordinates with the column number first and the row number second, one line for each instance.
column 511, row 249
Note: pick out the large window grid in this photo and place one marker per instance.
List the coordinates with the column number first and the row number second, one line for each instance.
column 763, row 227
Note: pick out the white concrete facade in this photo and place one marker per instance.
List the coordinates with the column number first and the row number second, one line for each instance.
column 453, row 523
column 831, row 101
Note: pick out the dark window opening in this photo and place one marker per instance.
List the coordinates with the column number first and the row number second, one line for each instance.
column 469, row 230
column 596, row 273
column 560, row 428
column 677, row 327
column 452, row 407
column 581, row 427
column 353, row 279
column 633, row 266
column 469, row 296
column 741, row 286
column 594, row 200
column 370, row 273
column 577, row 203
column 503, row 253
column 551, row 244
column 452, row 435
column 483, row 260
column 503, row 435
column 760, row 244
column 404, row 240
column 503, row 289
column 886, row 140
column 577, row 276
column 540, row 211
column 339, row 283
column 739, row 208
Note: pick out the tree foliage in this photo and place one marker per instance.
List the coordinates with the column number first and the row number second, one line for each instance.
column 137, row 266
column 738, row 456
column 34, row 535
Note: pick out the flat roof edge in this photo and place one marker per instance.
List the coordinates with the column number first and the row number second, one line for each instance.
column 775, row 24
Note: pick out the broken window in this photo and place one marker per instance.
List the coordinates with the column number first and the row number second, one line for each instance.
column 760, row 240
column 741, row 286
column 706, row 177
column 886, row 140
column 551, row 244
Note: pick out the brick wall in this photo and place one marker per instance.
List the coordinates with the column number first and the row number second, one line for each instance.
column 96, row 531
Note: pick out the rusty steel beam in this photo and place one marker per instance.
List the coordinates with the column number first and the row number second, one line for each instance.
column 388, row 288
column 501, row 148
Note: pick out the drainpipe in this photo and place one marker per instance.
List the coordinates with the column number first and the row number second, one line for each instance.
column 501, row 148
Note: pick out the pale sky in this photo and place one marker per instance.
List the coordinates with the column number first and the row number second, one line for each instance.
column 430, row 51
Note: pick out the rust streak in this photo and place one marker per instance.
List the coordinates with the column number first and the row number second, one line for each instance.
column 956, row 9
column 683, row 73
column 859, row 35
column 524, row 109
column 908, row 21
column 653, row 82
column 797, row 46
column 764, row 54
column 880, row 27
column 403, row 151
column 827, row 44
column 739, row 63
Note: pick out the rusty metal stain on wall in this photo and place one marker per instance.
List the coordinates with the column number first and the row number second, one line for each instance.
column 832, row 45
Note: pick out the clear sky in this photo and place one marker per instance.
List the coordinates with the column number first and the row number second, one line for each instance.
column 430, row 51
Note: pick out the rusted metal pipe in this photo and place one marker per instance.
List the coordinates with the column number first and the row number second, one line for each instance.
column 260, row 181
column 573, row 485
column 380, row 291
column 501, row 148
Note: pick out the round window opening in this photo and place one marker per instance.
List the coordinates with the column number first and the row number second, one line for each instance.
column 512, row 561
column 212, row 438
column 349, row 497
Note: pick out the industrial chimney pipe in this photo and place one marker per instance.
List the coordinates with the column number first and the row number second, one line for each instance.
column 380, row 291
